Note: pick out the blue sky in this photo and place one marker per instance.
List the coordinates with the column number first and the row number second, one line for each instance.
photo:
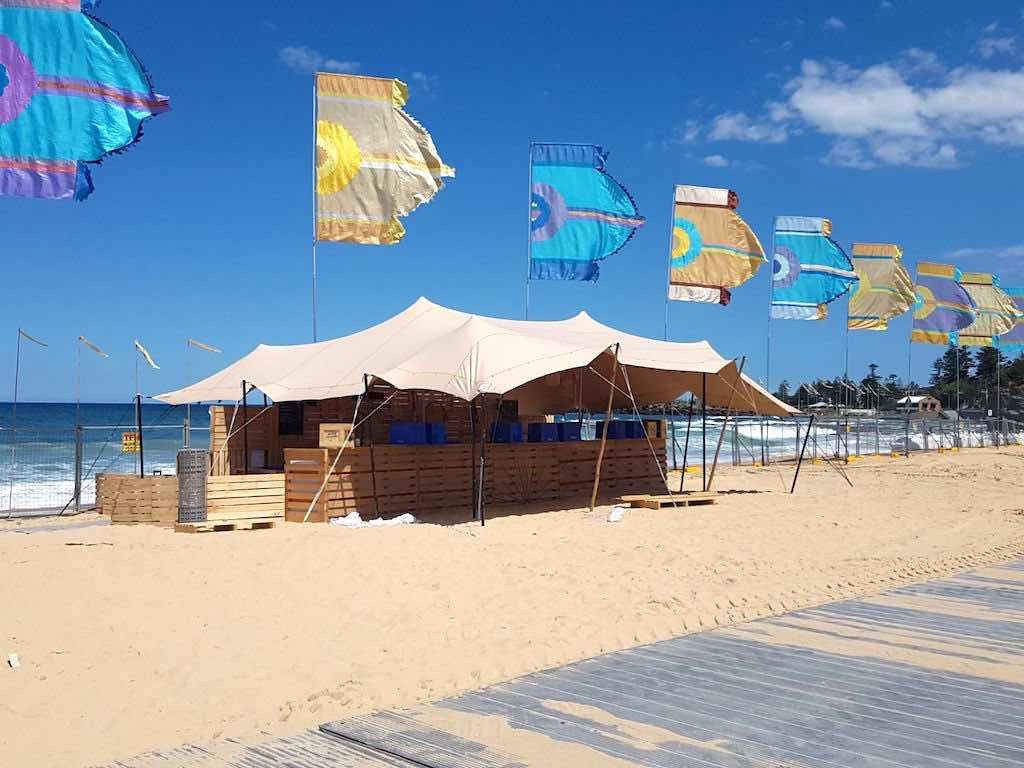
column 901, row 120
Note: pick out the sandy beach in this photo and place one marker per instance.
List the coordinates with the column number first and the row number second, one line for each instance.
column 134, row 638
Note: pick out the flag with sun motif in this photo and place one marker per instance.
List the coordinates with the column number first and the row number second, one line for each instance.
column 885, row 290
column 579, row 214
column 374, row 163
column 71, row 93
column 713, row 249
column 942, row 307
column 1014, row 340
column 995, row 311
column 810, row 270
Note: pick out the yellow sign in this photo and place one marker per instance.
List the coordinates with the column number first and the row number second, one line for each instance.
column 129, row 442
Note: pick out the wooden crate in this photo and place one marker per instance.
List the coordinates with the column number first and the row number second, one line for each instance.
column 132, row 499
column 238, row 497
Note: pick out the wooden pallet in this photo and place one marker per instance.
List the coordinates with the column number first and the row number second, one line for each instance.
column 649, row 501
column 207, row 526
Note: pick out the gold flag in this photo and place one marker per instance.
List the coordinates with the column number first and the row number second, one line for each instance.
column 374, row 163
column 885, row 290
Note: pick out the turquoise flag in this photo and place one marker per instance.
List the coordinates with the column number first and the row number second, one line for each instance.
column 810, row 270
column 579, row 215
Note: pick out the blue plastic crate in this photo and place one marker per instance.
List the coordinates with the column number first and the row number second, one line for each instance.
column 634, row 430
column 407, row 433
column 617, row 430
column 568, row 431
column 507, row 432
column 437, row 433
column 542, row 433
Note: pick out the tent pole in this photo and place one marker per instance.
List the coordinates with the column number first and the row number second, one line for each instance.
column 373, row 463
column 686, row 444
column 604, row 432
column 14, row 427
column 472, row 454
column 800, row 459
column 704, row 430
column 245, row 429
column 725, row 424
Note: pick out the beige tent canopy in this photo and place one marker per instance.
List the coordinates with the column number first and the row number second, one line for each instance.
column 546, row 366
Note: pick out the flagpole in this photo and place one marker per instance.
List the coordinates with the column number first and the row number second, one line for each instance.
column 188, row 405
column 14, row 427
column 768, row 355
column 529, row 227
column 671, row 236
column 316, row 116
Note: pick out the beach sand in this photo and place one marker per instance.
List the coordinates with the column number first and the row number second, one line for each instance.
column 134, row 638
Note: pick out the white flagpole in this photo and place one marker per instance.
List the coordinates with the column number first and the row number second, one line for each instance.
column 14, row 417
column 671, row 239
column 529, row 228
column 189, row 343
column 316, row 116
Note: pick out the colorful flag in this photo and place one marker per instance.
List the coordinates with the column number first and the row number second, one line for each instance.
column 809, row 270
column 374, row 163
column 71, row 93
column 713, row 249
column 1014, row 340
column 885, row 290
column 942, row 307
column 145, row 354
column 579, row 215
column 995, row 312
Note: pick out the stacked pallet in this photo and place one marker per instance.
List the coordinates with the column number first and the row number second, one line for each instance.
column 418, row 479
column 132, row 499
column 234, row 497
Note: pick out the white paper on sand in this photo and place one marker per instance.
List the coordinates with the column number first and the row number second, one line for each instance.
column 616, row 515
column 12, row 659
column 353, row 520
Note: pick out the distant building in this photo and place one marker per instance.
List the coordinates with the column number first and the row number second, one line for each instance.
column 919, row 403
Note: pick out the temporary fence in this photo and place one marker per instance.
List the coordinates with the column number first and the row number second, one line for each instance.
column 766, row 440
column 53, row 470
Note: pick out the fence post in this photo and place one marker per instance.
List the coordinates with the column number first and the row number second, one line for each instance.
column 737, row 455
column 797, row 444
column 877, row 436
column 78, row 468
column 858, row 436
column 906, row 438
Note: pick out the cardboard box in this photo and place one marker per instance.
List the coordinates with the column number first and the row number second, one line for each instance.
column 333, row 435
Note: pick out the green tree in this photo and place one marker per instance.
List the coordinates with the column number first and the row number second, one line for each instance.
column 783, row 391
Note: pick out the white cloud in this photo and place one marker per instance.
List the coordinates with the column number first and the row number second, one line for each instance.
column 737, row 126
column 1005, row 261
column 1006, row 252
column 989, row 47
column 834, row 23
column 424, row 82
column 302, row 58
column 911, row 111
column 716, row 161
column 885, row 5
column 687, row 133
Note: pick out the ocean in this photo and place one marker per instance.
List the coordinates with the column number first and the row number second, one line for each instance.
column 37, row 463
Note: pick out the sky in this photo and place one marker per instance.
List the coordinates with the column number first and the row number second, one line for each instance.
column 900, row 120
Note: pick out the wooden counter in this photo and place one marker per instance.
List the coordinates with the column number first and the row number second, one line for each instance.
column 441, row 477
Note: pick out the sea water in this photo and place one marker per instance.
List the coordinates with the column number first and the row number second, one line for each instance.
column 37, row 460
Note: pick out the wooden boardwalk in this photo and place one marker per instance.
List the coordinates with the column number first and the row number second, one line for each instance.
column 925, row 676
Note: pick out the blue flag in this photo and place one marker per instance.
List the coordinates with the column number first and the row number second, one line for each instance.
column 810, row 269
column 579, row 215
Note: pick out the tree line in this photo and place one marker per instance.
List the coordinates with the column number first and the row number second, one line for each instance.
column 988, row 380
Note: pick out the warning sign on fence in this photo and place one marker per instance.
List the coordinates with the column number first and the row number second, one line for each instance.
column 129, row 442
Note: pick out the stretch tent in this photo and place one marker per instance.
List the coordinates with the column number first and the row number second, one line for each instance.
column 547, row 367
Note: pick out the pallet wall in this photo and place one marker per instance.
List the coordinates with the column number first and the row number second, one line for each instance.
column 133, row 499
column 236, row 497
column 440, row 478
